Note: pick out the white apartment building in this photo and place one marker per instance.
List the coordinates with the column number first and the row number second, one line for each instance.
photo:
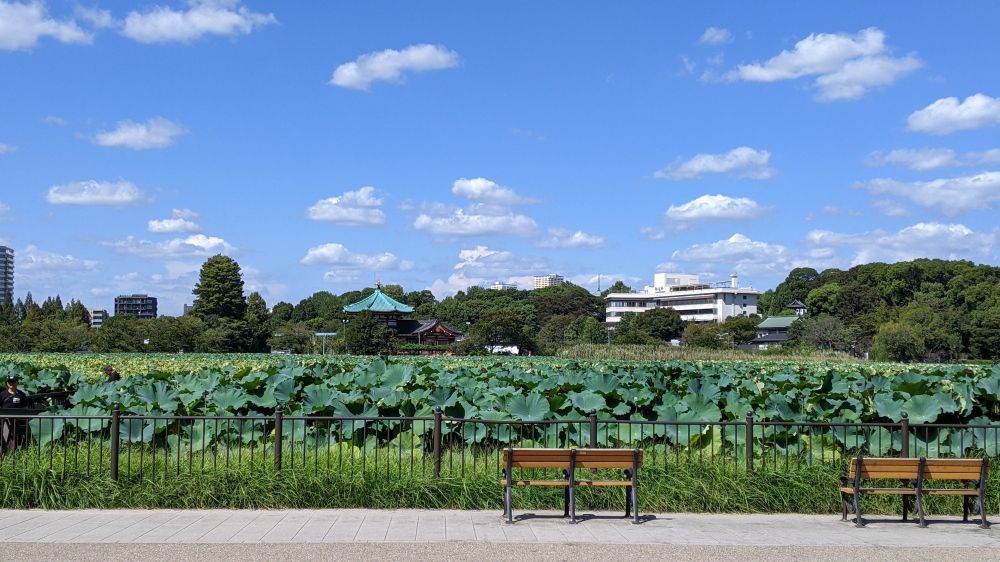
column 550, row 280
column 695, row 301
column 97, row 317
column 501, row 286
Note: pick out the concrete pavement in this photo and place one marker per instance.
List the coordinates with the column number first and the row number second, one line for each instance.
column 405, row 534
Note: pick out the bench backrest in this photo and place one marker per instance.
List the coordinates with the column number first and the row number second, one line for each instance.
column 953, row 469
column 909, row 469
column 896, row 469
column 607, row 458
column 561, row 458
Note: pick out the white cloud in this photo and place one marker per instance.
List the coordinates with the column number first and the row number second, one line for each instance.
column 948, row 115
column 951, row 196
column 846, row 66
column 487, row 191
column 922, row 240
column 482, row 265
column 154, row 133
column 195, row 246
column 737, row 247
column 96, row 17
column 7, row 148
column 22, row 25
column 349, row 266
column 33, row 258
column 715, row 207
column 203, row 17
column 477, row 220
column 991, row 156
column 920, row 159
column 890, row 208
column 743, row 162
column 716, row 36
column 180, row 221
column 391, row 65
column 94, row 192
column 54, row 120
column 352, row 208
column 4, row 209
column 562, row 238
column 737, row 253
column 924, row 159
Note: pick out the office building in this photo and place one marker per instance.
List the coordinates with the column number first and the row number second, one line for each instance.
column 550, row 280
column 6, row 273
column 695, row 301
column 140, row 306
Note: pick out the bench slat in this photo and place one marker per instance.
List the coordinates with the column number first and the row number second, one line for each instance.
column 884, row 491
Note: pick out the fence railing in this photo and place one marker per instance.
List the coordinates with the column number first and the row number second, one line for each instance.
column 139, row 446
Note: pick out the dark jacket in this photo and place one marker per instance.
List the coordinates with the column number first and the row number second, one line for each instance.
column 17, row 399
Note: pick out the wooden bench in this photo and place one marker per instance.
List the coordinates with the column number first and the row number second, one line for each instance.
column 569, row 460
column 913, row 475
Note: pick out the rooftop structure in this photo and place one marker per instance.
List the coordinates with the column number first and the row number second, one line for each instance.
column 685, row 293
column 550, row 280
column 378, row 302
column 501, row 286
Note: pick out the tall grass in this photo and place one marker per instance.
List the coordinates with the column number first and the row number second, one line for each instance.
column 355, row 479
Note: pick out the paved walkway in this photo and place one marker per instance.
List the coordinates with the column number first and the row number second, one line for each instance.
column 413, row 526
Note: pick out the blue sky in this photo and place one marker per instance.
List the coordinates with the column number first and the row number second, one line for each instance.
column 442, row 145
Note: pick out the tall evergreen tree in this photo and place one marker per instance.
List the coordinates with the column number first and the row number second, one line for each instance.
column 257, row 324
column 219, row 292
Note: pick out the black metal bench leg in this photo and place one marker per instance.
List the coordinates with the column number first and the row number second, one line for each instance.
column 566, row 494
column 858, row 522
column 635, row 504
column 509, row 500
column 982, row 511
column 628, row 496
column 844, row 506
column 906, row 507
column 920, row 510
column 965, row 509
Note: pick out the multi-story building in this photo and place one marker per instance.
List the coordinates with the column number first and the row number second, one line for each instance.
column 6, row 273
column 695, row 301
column 140, row 306
column 97, row 317
column 550, row 280
column 501, row 286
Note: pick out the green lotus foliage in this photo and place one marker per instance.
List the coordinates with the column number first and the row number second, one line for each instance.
column 694, row 395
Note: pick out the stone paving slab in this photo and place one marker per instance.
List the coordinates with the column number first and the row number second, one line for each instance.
column 419, row 526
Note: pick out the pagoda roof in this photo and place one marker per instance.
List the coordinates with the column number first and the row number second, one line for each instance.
column 796, row 304
column 777, row 322
column 414, row 327
column 378, row 302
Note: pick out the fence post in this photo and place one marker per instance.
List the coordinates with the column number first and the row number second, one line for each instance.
column 748, row 437
column 279, row 415
column 593, row 429
column 436, row 437
column 904, row 449
column 116, row 422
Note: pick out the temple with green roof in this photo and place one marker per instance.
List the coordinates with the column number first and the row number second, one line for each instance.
column 395, row 315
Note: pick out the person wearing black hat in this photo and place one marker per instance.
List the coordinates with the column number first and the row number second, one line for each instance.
column 12, row 431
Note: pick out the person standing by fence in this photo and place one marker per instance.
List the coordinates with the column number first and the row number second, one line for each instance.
column 13, row 430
